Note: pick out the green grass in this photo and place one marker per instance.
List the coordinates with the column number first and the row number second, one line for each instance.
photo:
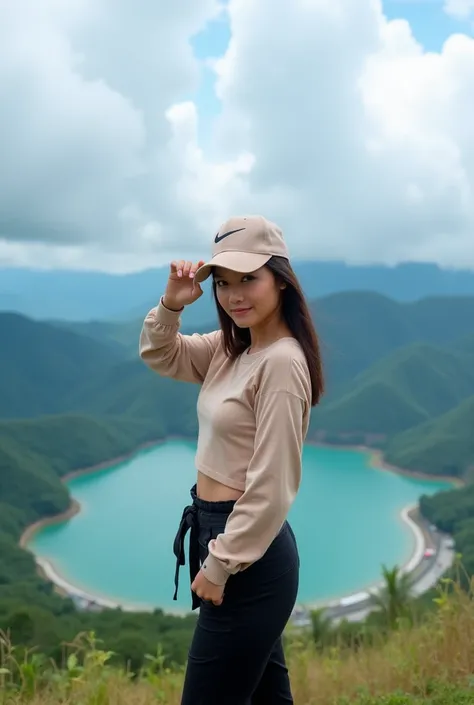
column 430, row 663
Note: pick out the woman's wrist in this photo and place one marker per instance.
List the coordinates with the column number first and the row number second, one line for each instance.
column 170, row 305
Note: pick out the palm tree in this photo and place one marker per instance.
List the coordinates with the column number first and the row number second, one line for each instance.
column 320, row 626
column 394, row 598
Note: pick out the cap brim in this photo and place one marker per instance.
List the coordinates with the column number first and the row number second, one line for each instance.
column 236, row 261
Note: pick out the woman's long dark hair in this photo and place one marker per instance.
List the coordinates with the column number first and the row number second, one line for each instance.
column 297, row 317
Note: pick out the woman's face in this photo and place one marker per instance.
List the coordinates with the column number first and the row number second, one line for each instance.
column 249, row 299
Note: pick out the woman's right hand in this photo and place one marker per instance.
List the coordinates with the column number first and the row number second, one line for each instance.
column 181, row 289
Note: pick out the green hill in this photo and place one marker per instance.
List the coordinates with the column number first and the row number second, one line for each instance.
column 36, row 453
column 441, row 446
column 359, row 328
column 453, row 512
column 403, row 389
column 392, row 366
column 356, row 328
column 131, row 389
column 43, row 365
column 109, row 333
column 379, row 384
column 465, row 344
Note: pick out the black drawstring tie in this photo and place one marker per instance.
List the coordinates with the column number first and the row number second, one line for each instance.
column 188, row 521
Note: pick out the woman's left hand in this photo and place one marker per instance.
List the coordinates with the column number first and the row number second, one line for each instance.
column 206, row 590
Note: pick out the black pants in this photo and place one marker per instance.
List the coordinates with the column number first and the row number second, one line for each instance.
column 236, row 656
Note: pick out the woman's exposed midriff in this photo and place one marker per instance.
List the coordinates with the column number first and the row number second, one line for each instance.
column 211, row 490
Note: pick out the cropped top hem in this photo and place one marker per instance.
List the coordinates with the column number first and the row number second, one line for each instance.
column 220, row 477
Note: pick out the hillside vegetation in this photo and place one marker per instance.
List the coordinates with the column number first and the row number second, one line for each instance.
column 42, row 365
column 429, row 663
column 391, row 367
column 401, row 390
column 359, row 328
column 453, row 512
column 441, row 446
column 356, row 327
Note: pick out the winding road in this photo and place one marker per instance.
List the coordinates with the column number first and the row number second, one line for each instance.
column 424, row 574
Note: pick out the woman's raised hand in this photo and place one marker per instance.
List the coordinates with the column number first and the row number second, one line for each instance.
column 181, row 289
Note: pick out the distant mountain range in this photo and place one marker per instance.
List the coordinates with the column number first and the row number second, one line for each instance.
column 87, row 296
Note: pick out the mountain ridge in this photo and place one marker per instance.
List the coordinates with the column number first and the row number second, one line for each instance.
column 42, row 363
column 413, row 383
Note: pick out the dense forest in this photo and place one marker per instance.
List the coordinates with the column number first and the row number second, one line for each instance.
column 400, row 378
column 453, row 512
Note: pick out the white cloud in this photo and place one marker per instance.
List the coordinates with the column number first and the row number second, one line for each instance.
column 369, row 138
column 84, row 88
column 460, row 9
column 334, row 122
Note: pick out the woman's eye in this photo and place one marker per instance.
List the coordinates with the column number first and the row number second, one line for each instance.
column 248, row 278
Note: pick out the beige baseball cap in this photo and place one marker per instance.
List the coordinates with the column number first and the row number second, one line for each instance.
column 243, row 244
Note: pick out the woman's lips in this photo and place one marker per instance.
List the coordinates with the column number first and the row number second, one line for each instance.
column 240, row 311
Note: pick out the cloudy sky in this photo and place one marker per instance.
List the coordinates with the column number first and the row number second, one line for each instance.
column 129, row 131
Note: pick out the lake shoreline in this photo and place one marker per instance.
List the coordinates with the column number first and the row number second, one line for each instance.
column 48, row 571
column 66, row 589
column 74, row 507
column 378, row 462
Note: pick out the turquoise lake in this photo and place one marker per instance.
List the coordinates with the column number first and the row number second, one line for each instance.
column 120, row 546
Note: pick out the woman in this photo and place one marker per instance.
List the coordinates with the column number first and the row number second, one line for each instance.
column 260, row 375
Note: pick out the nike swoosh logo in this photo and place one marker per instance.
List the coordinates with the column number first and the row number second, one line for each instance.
column 231, row 232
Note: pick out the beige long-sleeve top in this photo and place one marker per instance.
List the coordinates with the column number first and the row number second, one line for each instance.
column 253, row 415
